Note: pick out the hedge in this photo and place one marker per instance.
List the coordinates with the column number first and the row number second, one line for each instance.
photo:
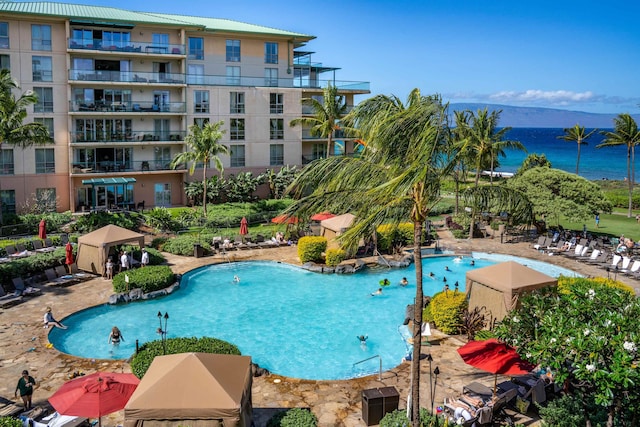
column 142, row 360
column 183, row 245
column 294, row 417
column 446, row 310
column 310, row 248
column 149, row 279
column 335, row 257
column 10, row 422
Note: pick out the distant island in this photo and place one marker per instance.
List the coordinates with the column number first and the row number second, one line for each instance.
column 534, row 117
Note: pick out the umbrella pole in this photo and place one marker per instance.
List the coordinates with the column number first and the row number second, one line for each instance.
column 495, row 385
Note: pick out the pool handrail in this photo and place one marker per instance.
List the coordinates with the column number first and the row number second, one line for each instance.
column 369, row 358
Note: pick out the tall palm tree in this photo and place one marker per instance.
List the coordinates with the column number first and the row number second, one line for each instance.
column 396, row 177
column 13, row 112
column 577, row 134
column 625, row 132
column 202, row 147
column 325, row 120
column 484, row 141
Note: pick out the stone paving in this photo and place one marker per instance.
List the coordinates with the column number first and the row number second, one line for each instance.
column 23, row 345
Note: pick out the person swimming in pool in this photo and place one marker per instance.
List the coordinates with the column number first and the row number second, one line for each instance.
column 378, row 292
column 473, row 262
column 404, row 282
column 446, row 268
column 236, row 279
column 433, row 276
column 363, row 338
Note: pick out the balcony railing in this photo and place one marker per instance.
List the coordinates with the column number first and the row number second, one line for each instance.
column 217, row 80
column 127, row 46
column 128, row 107
column 125, row 76
column 130, row 137
column 122, row 167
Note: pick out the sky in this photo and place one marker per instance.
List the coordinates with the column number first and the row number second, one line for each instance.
column 565, row 54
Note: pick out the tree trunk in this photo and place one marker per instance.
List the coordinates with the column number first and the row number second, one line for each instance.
column 491, row 176
column 578, row 159
column 417, row 327
column 456, row 178
column 329, row 144
column 629, row 214
column 204, row 190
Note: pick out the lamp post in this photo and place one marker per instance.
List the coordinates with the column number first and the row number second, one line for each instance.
column 163, row 331
column 436, row 372
column 430, row 359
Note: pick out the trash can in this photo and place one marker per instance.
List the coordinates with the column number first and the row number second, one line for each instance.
column 197, row 250
column 372, row 406
column 390, row 399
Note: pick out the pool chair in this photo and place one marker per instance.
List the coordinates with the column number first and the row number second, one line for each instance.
column 54, row 280
column 57, row 420
column 591, row 257
column 21, row 289
column 7, row 300
column 635, row 267
column 613, row 264
column 543, row 242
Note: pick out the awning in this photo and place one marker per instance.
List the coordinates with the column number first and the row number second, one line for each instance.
column 108, row 181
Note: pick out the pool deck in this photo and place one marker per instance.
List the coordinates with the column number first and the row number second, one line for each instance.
column 23, row 345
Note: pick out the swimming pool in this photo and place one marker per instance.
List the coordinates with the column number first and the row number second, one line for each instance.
column 291, row 321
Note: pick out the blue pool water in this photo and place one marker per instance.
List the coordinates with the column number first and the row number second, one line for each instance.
column 291, row 321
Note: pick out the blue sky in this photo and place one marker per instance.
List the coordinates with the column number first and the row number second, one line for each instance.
column 575, row 55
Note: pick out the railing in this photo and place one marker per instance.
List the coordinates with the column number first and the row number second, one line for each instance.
column 128, row 107
column 137, row 136
column 126, row 76
column 223, row 80
column 308, row 109
column 120, row 167
column 127, row 46
column 384, row 260
column 369, row 358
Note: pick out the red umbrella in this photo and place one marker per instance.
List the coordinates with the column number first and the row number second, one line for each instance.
column 494, row 356
column 244, row 229
column 69, row 254
column 322, row 216
column 42, row 229
column 94, row 395
column 284, row 219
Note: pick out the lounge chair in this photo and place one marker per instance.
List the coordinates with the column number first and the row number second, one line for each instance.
column 613, row 264
column 543, row 241
column 9, row 408
column 592, row 257
column 64, row 239
column 601, row 259
column 635, row 267
column 39, row 247
column 576, row 252
column 7, row 300
column 13, row 253
column 54, row 280
column 81, row 275
column 22, row 289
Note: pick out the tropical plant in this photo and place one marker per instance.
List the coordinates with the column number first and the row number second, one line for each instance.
column 202, row 147
column 241, row 187
column 279, row 181
column 149, row 279
column 625, row 132
column 326, row 115
column 13, row 112
column 533, row 160
column 473, row 320
column 294, row 417
column 578, row 135
column 396, row 177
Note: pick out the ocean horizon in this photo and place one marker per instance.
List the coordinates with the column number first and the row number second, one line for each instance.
column 595, row 163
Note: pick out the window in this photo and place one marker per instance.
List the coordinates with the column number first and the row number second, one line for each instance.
column 276, row 103
column 4, row 35
column 45, row 100
column 45, row 160
column 271, row 53
column 201, row 101
column 41, row 37
column 271, row 77
column 8, row 198
column 233, row 50
column 162, row 157
column 112, row 40
column 41, row 68
column 46, row 122
column 233, row 75
column 276, row 130
column 6, row 162
column 237, row 156
column 195, row 74
column 236, row 129
column 160, row 39
column 196, row 48
column 82, row 38
column 200, row 121
column 236, row 102
column 276, row 154
column 319, row 151
column 5, row 62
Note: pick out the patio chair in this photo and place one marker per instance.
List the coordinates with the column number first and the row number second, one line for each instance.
column 613, row 264
column 7, row 300
column 81, row 275
column 64, row 239
column 22, row 289
column 592, row 257
column 635, row 267
column 54, row 280
column 39, row 247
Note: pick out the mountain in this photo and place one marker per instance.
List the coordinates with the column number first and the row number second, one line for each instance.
column 535, row 117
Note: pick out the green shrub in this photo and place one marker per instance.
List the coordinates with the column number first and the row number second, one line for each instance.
column 96, row 220
column 563, row 412
column 32, row 265
column 158, row 242
column 390, row 237
column 10, row 422
column 161, row 219
column 446, row 309
column 148, row 279
column 310, row 248
column 183, row 245
column 335, row 257
column 484, row 335
column 149, row 350
column 398, row 418
column 294, row 417
column 54, row 221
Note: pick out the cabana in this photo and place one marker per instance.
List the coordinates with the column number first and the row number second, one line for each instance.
column 195, row 390
column 499, row 286
column 335, row 226
column 93, row 248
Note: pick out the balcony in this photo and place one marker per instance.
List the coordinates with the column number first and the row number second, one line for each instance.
column 291, row 82
column 128, row 137
column 142, row 48
column 133, row 107
column 118, row 168
column 76, row 75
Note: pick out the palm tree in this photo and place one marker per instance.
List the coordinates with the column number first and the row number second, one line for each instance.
column 625, row 132
column 484, row 141
column 397, row 176
column 203, row 146
column 324, row 121
column 577, row 134
column 13, row 112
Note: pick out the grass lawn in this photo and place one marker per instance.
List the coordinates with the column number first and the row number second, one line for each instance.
column 612, row 225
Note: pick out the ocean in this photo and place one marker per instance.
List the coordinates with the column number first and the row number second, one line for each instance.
column 595, row 163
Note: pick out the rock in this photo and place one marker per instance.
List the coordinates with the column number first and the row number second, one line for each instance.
column 135, row 294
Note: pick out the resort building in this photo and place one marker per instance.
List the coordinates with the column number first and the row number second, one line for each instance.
column 119, row 89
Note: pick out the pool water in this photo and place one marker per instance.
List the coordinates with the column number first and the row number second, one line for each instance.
column 293, row 322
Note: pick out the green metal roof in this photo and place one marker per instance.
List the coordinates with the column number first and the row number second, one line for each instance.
column 111, row 14
column 107, row 181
